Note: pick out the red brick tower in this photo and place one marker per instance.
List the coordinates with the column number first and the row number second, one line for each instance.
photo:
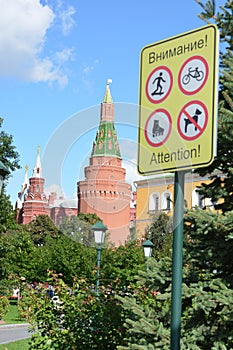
column 35, row 202
column 104, row 190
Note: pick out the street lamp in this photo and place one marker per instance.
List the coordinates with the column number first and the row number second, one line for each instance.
column 3, row 173
column 147, row 246
column 99, row 234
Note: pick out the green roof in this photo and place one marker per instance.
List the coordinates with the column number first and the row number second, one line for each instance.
column 107, row 96
column 106, row 143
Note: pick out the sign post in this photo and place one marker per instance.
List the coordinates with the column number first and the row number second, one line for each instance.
column 177, row 125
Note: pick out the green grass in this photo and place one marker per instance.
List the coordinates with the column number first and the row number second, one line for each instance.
column 16, row 345
column 12, row 315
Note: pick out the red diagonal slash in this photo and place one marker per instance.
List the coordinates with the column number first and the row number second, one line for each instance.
column 192, row 120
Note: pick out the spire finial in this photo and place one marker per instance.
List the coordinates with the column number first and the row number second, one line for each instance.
column 26, row 168
column 38, row 150
column 107, row 96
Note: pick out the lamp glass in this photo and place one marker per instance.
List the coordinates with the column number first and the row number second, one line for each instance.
column 99, row 236
column 147, row 251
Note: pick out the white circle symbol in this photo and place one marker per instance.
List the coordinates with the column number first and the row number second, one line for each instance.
column 192, row 120
column 193, row 75
column 159, row 84
column 158, row 127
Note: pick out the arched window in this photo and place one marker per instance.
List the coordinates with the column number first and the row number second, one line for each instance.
column 154, row 202
column 197, row 199
column 166, row 205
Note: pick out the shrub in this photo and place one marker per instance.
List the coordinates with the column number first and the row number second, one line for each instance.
column 4, row 306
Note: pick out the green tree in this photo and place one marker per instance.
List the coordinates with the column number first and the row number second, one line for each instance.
column 8, row 154
column 17, row 254
column 78, row 229
column 10, row 158
column 41, row 227
column 160, row 233
column 220, row 190
column 89, row 218
column 120, row 265
column 147, row 308
column 8, row 214
column 67, row 257
column 78, row 320
column 207, row 298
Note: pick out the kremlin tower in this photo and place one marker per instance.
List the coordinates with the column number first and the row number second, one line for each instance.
column 32, row 200
column 105, row 191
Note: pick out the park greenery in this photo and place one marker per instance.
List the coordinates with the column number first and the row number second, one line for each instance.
column 133, row 308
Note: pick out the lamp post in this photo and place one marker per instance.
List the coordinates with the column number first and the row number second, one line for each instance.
column 4, row 171
column 147, row 246
column 99, row 234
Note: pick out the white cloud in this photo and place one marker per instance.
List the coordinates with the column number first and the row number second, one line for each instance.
column 23, row 28
column 87, row 79
column 67, row 20
column 64, row 55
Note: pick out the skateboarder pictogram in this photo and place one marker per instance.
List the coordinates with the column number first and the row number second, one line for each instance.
column 157, row 129
column 159, row 88
column 192, row 121
column 159, row 84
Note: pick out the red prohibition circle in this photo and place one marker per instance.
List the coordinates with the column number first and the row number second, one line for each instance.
column 170, row 87
column 159, row 110
column 204, row 81
column 191, row 138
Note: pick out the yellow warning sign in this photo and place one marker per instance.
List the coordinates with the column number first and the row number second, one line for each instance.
column 178, row 102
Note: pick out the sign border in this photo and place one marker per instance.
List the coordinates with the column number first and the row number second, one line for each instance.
column 213, row 145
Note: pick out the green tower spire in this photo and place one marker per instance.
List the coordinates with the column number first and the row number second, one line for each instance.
column 106, row 143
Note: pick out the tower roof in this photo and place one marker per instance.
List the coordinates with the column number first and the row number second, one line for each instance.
column 108, row 96
column 106, row 143
column 37, row 172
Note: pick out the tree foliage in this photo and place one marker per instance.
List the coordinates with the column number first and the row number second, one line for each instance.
column 220, row 190
column 41, row 227
column 159, row 232
column 90, row 218
column 207, row 298
column 78, row 229
column 8, row 214
column 10, row 158
column 74, row 318
column 8, row 154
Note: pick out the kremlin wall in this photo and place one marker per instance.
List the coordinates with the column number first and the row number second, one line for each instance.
column 103, row 190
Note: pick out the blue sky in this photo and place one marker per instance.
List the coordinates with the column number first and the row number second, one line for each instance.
column 56, row 57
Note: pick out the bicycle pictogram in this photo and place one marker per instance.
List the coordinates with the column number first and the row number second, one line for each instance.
column 193, row 75
column 196, row 74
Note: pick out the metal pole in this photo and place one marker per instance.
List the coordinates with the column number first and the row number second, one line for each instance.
column 98, row 269
column 177, row 253
column 147, row 265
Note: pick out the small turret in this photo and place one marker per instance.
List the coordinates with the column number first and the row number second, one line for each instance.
column 37, row 172
column 24, row 190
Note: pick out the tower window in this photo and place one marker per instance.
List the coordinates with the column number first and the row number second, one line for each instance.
column 154, row 202
column 167, row 201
